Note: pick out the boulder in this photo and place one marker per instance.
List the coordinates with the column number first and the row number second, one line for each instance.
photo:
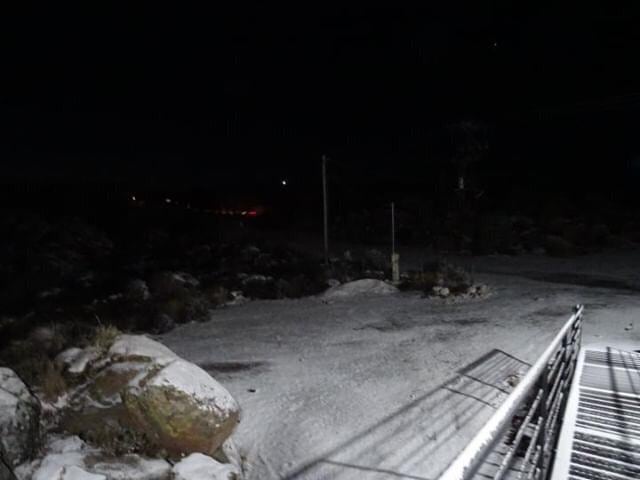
column 19, row 419
column 182, row 409
column 201, row 467
column 145, row 398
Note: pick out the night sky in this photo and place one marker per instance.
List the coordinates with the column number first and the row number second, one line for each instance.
column 252, row 92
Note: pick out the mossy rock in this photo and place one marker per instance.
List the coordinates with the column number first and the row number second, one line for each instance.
column 97, row 415
column 180, row 420
column 20, row 411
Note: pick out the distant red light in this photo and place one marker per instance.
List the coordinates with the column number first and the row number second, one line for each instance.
column 252, row 213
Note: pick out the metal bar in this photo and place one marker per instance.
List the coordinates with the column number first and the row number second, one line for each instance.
column 506, row 462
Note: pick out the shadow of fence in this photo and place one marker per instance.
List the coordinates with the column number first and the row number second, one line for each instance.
column 419, row 440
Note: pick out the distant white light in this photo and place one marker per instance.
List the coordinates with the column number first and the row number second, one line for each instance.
column 167, row 200
column 133, row 197
column 284, row 182
column 495, row 44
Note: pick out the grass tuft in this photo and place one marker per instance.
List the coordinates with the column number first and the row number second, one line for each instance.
column 104, row 337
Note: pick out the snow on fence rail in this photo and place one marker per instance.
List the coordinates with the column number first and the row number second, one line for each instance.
column 519, row 439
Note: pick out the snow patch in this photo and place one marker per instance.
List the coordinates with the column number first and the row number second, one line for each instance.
column 194, row 381
column 366, row 286
column 68, row 356
column 200, row 467
column 141, row 346
column 54, row 465
column 77, row 473
column 50, row 293
column 131, row 467
column 186, row 279
column 66, row 444
column 80, row 362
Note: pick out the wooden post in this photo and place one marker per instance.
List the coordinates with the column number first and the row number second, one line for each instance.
column 395, row 258
column 325, row 209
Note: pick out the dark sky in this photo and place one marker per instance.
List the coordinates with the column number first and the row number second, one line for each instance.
column 256, row 91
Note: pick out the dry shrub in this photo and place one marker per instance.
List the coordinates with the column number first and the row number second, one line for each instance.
column 441, row 274
column 25, row 358
column 424, row 281
column 104, row 337
column 48, row 339
column 165, row 285
column 32, row 365
column 186, row 307
column 559, row 247
column 217, row 294
column 51, row 382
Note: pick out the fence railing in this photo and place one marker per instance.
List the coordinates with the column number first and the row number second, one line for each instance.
column 519, row 439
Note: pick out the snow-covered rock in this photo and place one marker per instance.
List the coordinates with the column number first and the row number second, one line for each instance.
column 76, row 360
column 143, row 396
column 96, row 412
column 68, row 356
column 366, row 286
column 19, row 418
column 333, row 282
column 186, row 279
column 55, row 465
column 137, row 346
column 58, row 444
column 229, row 453
column 76, row 473
column 129, row 467
column 69, row 458
column 60, row 453
column 183, row 409
column 246, row 279
column 200, row 467
column 237, row 298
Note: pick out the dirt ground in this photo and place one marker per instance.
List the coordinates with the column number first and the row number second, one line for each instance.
column 394, row 386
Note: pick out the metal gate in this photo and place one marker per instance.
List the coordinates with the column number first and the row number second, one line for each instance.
column 519, row 440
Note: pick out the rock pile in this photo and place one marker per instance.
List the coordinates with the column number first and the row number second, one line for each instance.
column 133, row 409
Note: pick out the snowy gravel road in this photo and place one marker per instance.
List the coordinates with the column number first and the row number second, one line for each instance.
column 389, row 386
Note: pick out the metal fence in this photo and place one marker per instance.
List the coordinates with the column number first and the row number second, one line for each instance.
column 519, row 440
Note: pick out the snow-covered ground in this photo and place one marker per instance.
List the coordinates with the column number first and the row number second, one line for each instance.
column 393, row 386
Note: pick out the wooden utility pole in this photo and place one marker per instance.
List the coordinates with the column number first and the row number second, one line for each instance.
column 393, row 229
column 325, row 209
column 395, row 258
